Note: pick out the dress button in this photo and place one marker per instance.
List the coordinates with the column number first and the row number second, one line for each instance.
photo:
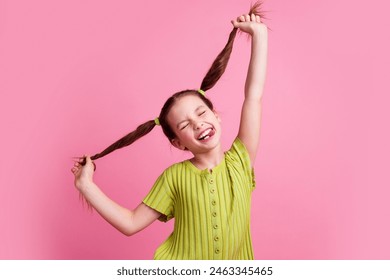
column 215, row 226
column 211, row 180
column 213, row 202
column 214, row 214
column 217, row 251
column 216, row 238
column 212, row 190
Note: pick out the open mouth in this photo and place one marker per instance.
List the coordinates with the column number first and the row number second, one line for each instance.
column 206, row 134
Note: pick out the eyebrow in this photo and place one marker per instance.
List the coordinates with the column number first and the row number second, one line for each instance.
column 201, row 106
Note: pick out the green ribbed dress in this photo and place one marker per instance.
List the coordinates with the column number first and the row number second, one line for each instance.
column 211, row 208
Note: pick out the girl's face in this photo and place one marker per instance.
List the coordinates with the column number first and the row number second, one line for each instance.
column 196, row 127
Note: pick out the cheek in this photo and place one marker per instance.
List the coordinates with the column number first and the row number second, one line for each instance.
column 182, row 135
column 186, row 135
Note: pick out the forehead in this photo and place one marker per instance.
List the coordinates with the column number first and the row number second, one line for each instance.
column 185, row 105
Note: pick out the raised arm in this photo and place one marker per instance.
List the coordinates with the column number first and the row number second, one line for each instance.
column 249, row 131
column 126, row 221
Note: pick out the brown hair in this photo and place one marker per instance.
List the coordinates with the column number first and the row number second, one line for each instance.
column 213, row 75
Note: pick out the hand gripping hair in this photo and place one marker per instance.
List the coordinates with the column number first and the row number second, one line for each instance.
column 213, row 75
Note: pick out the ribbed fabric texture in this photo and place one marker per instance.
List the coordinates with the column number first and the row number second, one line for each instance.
column 211, row 208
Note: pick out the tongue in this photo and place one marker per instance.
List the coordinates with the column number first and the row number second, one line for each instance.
column 211, row 133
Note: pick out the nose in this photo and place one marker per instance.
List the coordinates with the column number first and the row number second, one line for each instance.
column 198, row 125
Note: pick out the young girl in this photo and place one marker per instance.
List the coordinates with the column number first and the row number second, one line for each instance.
column 208, row 195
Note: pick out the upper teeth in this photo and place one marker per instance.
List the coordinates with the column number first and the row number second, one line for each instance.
column 204, row 134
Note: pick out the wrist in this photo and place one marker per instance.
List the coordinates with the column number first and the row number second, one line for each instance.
column 260, row 32
column 84, row 184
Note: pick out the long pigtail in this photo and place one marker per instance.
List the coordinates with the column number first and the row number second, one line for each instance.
column 126, row 140
column 220, row 63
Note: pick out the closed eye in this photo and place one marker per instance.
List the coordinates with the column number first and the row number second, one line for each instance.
column 202, row 113
column 184, row 126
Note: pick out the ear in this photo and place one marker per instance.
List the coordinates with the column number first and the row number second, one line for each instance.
column 177, row 144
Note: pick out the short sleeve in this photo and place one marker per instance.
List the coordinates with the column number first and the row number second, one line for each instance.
column 160, row 198
column 238, row 158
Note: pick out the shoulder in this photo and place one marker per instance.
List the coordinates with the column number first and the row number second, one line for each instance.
column 239, row 163
column 238, row 151
column 174, row 171
column 174, row 168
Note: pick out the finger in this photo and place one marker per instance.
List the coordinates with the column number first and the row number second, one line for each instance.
column 241, row 18
column 247, row 18
column 90, row 161
column 258, row 19
column 253, row 17
column 83, row 160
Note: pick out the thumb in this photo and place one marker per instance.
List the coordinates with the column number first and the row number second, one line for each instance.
column 89, row 160
column 84, row 160
column 235, row 23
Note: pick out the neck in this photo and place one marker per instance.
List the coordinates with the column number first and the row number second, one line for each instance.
column 209, row 159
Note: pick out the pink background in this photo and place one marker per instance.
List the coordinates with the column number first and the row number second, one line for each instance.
column 77, row 75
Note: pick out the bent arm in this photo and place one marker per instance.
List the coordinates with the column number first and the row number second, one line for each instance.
column 126, row 221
